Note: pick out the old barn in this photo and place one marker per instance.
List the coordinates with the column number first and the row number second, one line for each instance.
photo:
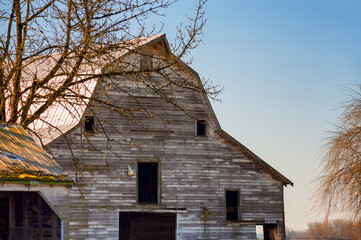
column 171, row 174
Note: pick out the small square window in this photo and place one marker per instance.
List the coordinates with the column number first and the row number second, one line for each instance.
column 146, row 63
column 232, row 205
column 89, row 123
column 201, row 127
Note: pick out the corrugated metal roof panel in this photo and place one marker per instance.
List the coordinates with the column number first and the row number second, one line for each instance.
column 21, row 158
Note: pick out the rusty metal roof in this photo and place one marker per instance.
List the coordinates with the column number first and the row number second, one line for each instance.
column 22, row 159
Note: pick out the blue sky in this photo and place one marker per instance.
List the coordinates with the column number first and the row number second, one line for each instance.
column 285, row 66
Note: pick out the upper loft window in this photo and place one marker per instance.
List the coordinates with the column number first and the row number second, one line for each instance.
column 147, row 182
column 232, row 205
column 201, row 127
column 146, row 63
column 89, row 123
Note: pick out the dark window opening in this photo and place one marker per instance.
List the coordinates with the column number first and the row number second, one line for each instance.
column 146, row 62
column 232, row 205
column 89, row 123
column 147, row 182
column 201, row 127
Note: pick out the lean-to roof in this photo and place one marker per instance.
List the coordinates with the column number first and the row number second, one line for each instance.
column 22, row 159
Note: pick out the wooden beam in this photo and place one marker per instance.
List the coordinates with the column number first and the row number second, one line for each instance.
column 11, row 211
column 53, row 225
column 25, row 209
column 40, row 219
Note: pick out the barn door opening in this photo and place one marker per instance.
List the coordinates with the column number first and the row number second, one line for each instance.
column 147, row 226
column 268, row 230
column 25, row 215
column 265, row 231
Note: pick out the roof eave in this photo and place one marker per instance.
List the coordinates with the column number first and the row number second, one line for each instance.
column 253, row 156
column 36, row 182
column 258, row 160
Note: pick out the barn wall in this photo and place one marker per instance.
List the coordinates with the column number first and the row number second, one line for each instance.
column 194, row 171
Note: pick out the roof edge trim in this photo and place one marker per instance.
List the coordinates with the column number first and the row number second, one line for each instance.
column 261, row 162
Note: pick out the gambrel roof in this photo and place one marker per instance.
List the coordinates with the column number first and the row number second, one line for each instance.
column 23, row 160
column 63, row 120
column 65, row 113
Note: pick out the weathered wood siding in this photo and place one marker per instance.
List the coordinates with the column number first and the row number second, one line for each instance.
column 194, row 171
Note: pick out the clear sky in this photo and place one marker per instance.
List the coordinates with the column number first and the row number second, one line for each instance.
column 285, row 66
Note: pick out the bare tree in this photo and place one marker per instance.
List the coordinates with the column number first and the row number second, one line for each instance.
column 67, row 40
column 339, row 190
column 336, row 229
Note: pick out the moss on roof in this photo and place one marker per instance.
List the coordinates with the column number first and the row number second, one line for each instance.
column 22, row 159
